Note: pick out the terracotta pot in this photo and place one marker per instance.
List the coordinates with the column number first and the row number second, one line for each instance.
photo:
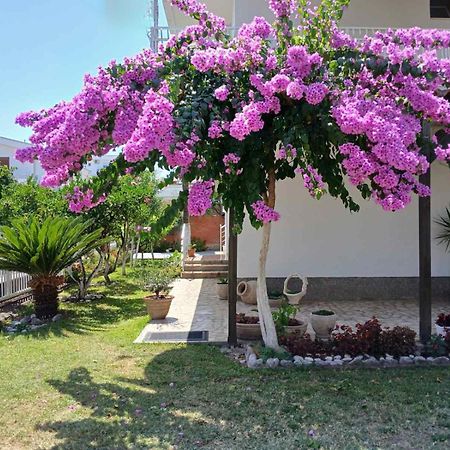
column 247, row 291
column 248, row 331
column 158, row 308
column 222, row 291
column 191, row 252
column 323, row 325
column 299, row 330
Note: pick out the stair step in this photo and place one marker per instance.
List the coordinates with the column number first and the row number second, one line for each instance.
column 205, row 268
column 202, row 274
column 206, row 262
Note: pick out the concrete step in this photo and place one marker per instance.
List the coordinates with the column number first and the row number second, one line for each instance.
column 206, row 262
column 201, row 274
column 205, row 268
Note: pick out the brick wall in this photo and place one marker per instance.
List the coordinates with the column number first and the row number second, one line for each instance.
column 207, row 228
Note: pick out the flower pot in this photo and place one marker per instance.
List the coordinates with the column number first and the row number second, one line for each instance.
column 158, row 308
column 222, row 291
column 441, row 331
column 299, row 329
column 295, row 297
column 323, row 325
column 191, row 252
column 247, row 291
column 248, row 331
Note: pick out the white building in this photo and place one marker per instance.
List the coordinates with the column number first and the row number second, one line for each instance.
column 367, row 254
column 22, row 171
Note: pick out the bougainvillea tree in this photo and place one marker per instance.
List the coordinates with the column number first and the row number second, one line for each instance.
column 231, row 115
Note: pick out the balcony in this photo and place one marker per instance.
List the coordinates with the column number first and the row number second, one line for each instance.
column 158, row 35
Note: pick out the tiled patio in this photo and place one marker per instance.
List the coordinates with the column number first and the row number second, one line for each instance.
column 196, row 307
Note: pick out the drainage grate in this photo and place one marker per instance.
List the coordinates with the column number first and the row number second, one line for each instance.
column 177, row 336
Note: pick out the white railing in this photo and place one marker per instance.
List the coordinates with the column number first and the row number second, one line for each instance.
column 223, row 238
column 13, row 284
column 158, row 35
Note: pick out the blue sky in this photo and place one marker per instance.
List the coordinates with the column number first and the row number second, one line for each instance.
column 47, row 46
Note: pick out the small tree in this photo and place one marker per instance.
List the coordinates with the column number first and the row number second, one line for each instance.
column 44, row 250
column 233, row 115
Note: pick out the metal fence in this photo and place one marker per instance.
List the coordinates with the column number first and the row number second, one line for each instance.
column 13, row 284
column 159, row 35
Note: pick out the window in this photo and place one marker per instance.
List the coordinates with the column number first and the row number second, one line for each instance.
column 4, row 161
column 440, row 9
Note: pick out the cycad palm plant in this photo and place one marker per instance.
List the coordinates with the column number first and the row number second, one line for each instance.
column 43, row 250
column 443, row 236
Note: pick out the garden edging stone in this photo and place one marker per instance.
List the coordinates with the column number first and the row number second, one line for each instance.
column 367, row 361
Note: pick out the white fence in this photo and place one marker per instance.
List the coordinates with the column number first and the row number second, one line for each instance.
column 13, row 284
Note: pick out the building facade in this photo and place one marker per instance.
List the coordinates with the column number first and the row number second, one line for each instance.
column 346, row 255
column 22, row 171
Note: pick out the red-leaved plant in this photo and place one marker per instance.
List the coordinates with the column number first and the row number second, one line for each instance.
column 443, row 320
column 367, row 338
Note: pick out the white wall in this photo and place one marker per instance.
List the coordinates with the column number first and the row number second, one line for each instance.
column 322, row 239
column 360, row 13
column 8, row 149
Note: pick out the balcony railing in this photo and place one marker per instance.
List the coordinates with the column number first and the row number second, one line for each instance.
column 158, row 35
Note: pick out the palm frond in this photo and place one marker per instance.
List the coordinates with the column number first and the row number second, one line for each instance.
column 443, row 236
column 45, row 249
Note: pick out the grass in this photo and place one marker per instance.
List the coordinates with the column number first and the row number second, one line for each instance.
column 83, row 384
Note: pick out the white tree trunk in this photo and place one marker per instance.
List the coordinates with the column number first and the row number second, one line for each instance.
column 268, row 330
column 185, row 239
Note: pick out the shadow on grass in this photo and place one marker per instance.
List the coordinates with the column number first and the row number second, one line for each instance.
column 194, row 397
column 140, row 412
column 122, row 301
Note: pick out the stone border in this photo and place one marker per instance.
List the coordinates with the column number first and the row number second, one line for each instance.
column 253, row 362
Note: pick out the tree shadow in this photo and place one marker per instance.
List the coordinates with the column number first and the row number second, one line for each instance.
column 145, row 412
column 191, row 397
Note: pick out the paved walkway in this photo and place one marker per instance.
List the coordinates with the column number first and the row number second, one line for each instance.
column 196, row 307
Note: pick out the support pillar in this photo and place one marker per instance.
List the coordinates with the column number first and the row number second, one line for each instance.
column 425, row 249
column 232, row 280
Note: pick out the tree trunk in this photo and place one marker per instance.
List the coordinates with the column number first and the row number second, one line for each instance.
column 125, row 238
column 124, row 261
column 138, row 246
column 132, row 250
column 45, row 301
column 107, row 266
column 268, row 330
column 86, row 280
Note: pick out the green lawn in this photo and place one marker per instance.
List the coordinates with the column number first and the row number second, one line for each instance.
column 84, row 385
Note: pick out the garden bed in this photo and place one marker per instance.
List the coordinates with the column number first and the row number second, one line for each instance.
column 367, row 345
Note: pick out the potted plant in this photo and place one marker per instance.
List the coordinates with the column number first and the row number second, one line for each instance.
column 222, row 289
column 276, row 298
column 157, row 281
column 323, row 322
column 286, row 322
column 442, row 324
column 191, row 250
column 248, row 327
column 43, row 251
